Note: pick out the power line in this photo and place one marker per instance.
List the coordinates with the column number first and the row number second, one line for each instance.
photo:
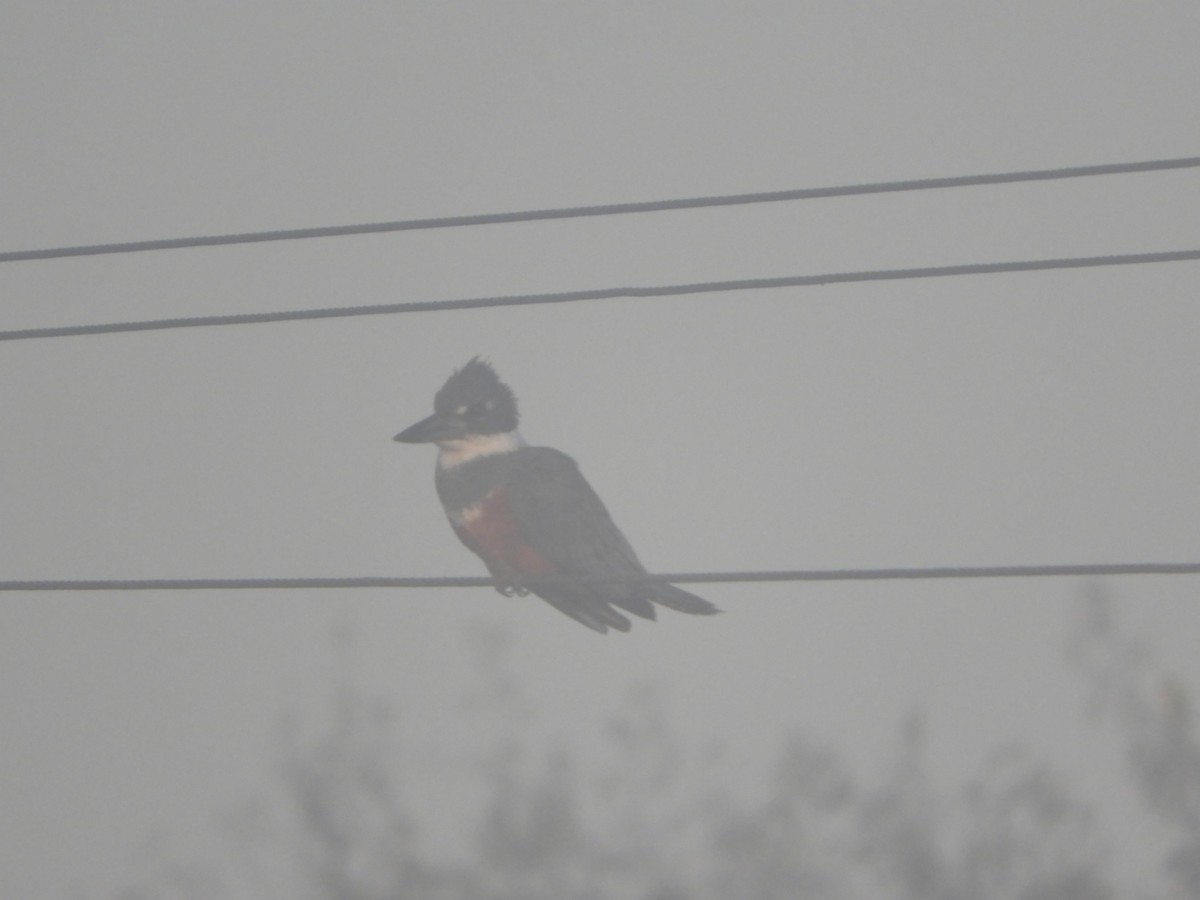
column 611, row 209
column 889, row 574
column 669, row 290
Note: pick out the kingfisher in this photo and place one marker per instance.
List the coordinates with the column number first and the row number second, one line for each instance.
column 528, row 512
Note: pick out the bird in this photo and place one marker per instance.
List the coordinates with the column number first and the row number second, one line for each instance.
column 529, row 513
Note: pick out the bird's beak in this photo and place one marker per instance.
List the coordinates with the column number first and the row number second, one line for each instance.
column 431, row 430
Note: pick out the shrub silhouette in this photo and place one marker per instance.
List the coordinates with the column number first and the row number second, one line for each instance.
column 649, row 826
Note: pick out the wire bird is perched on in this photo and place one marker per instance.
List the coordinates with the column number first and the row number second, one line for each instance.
column 529, row 514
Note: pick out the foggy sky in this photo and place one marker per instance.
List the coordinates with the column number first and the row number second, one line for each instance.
column 1016, row 419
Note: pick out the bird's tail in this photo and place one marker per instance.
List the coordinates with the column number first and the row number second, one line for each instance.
column 682, row 601
column 597, row 616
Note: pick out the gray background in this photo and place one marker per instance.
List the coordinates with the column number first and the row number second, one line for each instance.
column 1038, row 418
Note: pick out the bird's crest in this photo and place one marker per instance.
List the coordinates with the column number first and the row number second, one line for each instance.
column 476, row 392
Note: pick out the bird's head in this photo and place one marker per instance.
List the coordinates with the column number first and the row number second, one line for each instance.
column 473, row 405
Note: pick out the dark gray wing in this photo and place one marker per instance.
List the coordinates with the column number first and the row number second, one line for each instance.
column 562, row 517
